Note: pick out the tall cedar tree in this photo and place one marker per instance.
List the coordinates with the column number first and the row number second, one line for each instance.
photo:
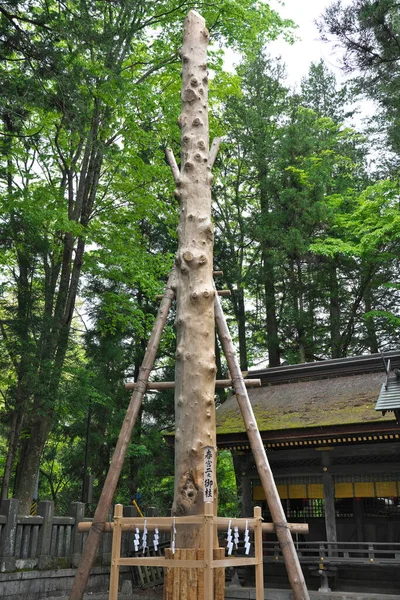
column 77, row 79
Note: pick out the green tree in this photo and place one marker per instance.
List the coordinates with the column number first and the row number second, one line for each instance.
column 369, row 34
column 243, row 203
column 78, row 144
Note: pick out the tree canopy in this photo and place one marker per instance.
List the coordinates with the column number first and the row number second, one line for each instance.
column 307, row 235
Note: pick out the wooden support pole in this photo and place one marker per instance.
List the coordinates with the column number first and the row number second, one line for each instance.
column 292, row 563
column 117, row 461
column 170, row 385
column 259, row 554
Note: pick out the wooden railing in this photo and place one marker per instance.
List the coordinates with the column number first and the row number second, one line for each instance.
column 45, row 540
column 339, row 553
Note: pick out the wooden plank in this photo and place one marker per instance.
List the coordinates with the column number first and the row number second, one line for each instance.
column 159, row 561
column 140, row 575
column 168, row 576
column 177, row 572
column 219, row 575
column 200, row 580
column 152, row 522
column 193, row 576
column 235, row 562
column 124, row 438
column 183, row 577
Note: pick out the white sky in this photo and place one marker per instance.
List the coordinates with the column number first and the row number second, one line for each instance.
column 309, row 48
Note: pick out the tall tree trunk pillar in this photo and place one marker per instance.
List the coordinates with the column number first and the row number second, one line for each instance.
column 195, row 354
column 195, row 369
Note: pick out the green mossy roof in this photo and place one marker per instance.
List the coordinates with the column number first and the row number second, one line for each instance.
column 321, row 403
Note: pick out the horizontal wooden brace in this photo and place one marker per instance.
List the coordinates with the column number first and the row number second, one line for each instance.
column 170, row 385
column 222, row 293
column 159, row 561
column 84, row 526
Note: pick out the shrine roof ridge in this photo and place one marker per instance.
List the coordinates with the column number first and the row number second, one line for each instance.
column 329, row 368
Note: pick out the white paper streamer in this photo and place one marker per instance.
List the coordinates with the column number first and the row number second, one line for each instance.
column 156, row 539
column 247, row 539
column 229, row 543
column 173, row 536
column 144, row 538
column 136, row 539
column 236, row 537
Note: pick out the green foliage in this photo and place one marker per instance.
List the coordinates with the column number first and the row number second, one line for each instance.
column 369, row 34
column 90, row 103
column 307, row 236
column 228, row 500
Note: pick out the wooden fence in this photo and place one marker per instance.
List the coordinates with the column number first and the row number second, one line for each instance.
column 47, row 541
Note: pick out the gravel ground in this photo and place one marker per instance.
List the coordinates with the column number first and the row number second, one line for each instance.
column 151, row 594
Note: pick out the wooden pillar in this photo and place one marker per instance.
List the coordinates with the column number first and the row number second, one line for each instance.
column 115, row 553
column 329, row 498
column 359, row 519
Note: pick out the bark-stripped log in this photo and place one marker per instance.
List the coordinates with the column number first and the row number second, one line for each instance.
column 292, row 563
column 117, row 461
column 195, row 355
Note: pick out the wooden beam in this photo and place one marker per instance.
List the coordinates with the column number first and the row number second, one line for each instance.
column 117, row 461
column 222, row 293
column 84, row 526
column 170, row 385
column 283, row 533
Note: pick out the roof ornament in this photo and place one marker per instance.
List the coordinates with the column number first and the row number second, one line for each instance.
column 389, row 397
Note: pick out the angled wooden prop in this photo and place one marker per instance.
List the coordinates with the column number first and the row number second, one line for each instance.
column 117, row 461
column 282, row 529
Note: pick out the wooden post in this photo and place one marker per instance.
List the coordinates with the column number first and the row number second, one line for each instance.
column 329, row 498
column 208, row 551
column 115, row 552
column 292, row 563
column 117, row 461
column 259, row 554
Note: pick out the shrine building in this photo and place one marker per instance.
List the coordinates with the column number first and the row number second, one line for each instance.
column 333, row 441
